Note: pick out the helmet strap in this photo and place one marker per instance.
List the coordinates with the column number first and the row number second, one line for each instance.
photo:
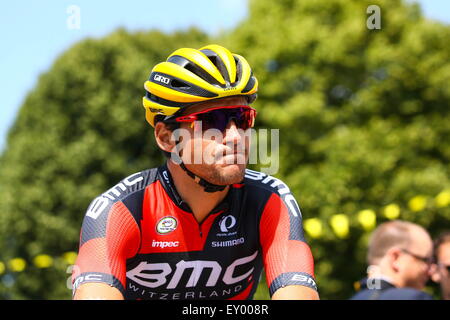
column 207, row 186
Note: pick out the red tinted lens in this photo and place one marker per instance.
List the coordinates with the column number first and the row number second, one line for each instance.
column 220, row 118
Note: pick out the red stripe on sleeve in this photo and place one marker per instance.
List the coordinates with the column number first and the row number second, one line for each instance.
column 281, row 255
column 123, row 239
column 108, row 255
column 92, row 257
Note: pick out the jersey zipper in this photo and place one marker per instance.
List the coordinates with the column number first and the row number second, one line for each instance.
column 200, row 230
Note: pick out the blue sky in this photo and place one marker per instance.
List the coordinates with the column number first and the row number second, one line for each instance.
column 34, row 32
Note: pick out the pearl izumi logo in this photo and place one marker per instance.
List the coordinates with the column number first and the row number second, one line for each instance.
column 226, row 224
column 166, row 225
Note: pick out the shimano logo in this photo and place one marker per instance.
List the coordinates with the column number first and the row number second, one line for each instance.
column 165, row 244
column 162, row 79
column 229, row 243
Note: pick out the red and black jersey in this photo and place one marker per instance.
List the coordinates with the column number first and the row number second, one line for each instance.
column 141, row 238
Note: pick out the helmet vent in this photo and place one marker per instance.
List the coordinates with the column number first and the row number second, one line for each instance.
column 217, row 61
column 238, row 70
column 195, row 70
column 192, row 67
column 178, row 84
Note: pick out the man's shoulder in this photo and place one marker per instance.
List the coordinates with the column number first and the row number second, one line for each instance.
column 392, row 294
column 264, row 181
column 406, row 294
column 130, row 184
column 125, row 188
column 268, row 187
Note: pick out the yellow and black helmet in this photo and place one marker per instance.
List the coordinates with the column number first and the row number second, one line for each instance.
column 190, row 76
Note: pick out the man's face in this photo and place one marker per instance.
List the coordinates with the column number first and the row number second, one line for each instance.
column 218, row 157
column 412, row 267
column 442, row 274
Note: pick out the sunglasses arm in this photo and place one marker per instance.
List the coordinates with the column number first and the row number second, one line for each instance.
column 190, row 118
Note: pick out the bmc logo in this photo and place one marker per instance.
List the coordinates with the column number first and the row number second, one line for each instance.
column 279, row 187
column 153, row 275
column 303, row 278
column 162, row 79
column 94, row 277
column 100, row 203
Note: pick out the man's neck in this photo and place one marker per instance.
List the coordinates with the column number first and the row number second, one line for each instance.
column 377, row 272
column 200, row 202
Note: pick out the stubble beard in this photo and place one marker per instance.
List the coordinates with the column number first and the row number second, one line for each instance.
column 227, row 175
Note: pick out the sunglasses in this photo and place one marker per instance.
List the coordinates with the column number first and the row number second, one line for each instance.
column 219, row 117
column 426, row 260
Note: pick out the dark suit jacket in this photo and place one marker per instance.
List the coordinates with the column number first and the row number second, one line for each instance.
column 387, row 291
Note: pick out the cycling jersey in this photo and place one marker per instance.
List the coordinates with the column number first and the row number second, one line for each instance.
column 143, row 239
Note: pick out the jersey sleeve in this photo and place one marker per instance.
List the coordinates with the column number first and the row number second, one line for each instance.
column 286, row 255
column 109, row 235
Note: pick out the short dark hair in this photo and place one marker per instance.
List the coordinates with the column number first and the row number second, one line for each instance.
column 444, row 237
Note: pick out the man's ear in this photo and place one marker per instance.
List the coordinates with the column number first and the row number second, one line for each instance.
column 393, row 255
column 163, row 137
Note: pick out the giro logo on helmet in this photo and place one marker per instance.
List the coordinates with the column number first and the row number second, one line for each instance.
column 162, row 79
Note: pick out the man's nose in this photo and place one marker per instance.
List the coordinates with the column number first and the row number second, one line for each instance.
column 232, row 135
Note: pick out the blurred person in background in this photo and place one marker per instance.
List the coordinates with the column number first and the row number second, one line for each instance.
column 441, row 273
column 399, row 257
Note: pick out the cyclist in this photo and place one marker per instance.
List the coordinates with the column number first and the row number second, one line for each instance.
column 196, row 229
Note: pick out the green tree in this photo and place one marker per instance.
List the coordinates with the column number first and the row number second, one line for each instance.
column 80, row 131
column 363, row 115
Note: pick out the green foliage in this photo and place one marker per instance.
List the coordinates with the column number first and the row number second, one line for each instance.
column 363, row 118
column 363, row 114
column 80, row 131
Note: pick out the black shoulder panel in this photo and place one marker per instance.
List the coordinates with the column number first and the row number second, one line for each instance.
column 130, row 191
column 271, row 185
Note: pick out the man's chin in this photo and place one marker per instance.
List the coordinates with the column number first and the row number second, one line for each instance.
column 227, row 174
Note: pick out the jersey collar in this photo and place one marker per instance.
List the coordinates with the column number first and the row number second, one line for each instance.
column 167, row 182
